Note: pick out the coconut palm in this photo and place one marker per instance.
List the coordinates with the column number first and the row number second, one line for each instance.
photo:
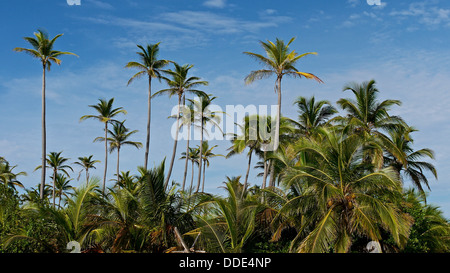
column 151, row 66
column 62, row 187
column 345, row 196
column 105, row 114
column 42, row 49
column 368, row 118
column 119, row 137
column 179, row 84
column 193, row 156
column 8, row 177
column 207, row 154
column 252, row 137
column 414, row 167
column 312, row 114
column 86, row 163
column 280, row 60
column 203, row 115
column 56, row 163
column 235, row 220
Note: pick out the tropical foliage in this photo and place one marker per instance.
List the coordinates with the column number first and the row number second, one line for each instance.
column 339, row 177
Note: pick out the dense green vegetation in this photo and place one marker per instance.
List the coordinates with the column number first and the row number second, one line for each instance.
column 332, row 180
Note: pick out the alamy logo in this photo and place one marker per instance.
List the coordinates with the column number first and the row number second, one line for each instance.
column 73, row 2
column 374, row 2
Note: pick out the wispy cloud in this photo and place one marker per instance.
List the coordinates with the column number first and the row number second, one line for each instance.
column 425, row 13
column 187, row 28
column 215, row 3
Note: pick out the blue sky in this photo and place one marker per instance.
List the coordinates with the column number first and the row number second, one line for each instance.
column 403, row 45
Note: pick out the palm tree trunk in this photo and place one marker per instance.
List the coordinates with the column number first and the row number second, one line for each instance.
column 106, row 157
column 248, row 168
column 44, row 138
column 192, row 176
column 272, row 174
column 277, row 126
column 54, row 188
column 147, row 143
column 203, row 179
column 187, row 147
column 265, row 171
column 200, row 155
column 87, row 177
column 118, row 157
column 166, row 183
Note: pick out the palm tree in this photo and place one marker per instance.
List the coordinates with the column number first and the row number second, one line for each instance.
column 343, row 195
column 368, row 117
column 203, row 116
column 312, row 114
column 193, row 156
column 207, row 154
column 235, row 220
column 86, row 163
column 414, row 169
column 105, row 114
column 56, row 163
column 152, row 67
column 43, row 50
column 251, row 138
column 62, row 187
column 179, row 84
column 8, row 177
column 279, row 61
column 70, row 224
column 118, row 138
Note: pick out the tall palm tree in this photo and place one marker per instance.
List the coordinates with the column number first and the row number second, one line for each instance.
column 105, row 114
column 207, row 154
column 368, row 118
column 250, row 138
column 119, row 137
column 414, row 169
column 312, row 114
column 149, row 65
column 179, row 84
column 86, row 163
column 8, row 177
column 193, row 156
column 56, row 163
column 203, row 116
column 280, row 60
column 42, row 49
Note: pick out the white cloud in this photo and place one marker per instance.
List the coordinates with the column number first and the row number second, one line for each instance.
column 215, row 3
column 423, row 13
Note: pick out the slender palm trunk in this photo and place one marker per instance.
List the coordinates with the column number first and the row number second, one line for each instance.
column 200, row 155
column 203, row 179
column 248, row 168
column 118, row 157
column 106, row 157
column 187, row 147
column 192, row 176
column 87, row 177
column 166, row 183
column 277, row 126
column 147, row 143
column 272, row 174
column 265, row 171
column 187, row 157
column 44, row 138
column 54, row 188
